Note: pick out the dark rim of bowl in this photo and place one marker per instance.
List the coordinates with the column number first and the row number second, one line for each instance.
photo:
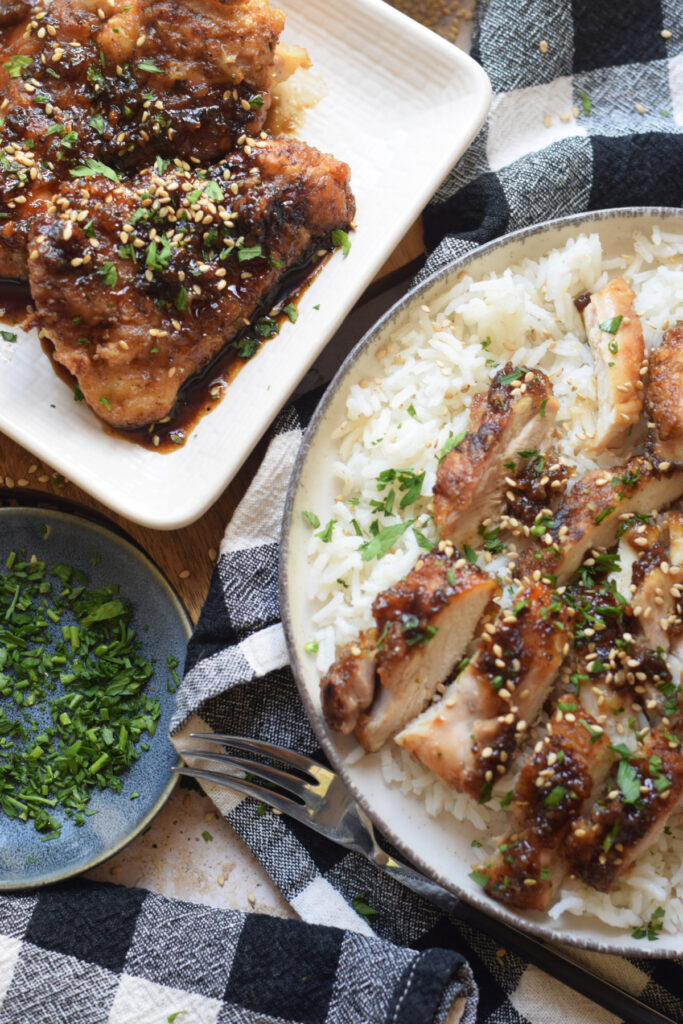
column 76, row 512
column 538, row 927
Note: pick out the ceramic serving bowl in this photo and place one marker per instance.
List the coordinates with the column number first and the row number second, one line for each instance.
column 440, row 847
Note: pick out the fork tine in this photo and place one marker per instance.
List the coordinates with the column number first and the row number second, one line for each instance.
column 304, row 764
column 267, row 796
column 284, row 780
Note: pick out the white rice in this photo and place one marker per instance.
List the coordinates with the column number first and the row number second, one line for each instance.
column 436, row 361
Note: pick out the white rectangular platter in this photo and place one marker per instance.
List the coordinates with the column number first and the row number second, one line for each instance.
column 402, row 105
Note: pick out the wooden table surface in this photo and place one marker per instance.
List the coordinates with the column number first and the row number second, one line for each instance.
column 185, row 556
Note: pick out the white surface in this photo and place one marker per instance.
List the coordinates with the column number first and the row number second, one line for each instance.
column 402, row 106
column 440, row 846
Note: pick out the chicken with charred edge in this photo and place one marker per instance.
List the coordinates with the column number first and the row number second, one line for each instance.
column 139, row 285
column 664, row 395
column 422, row 626
column 590, row 516
column 516, row 413
column 558, row 779
column 646, row 792
column 470, row 736
column 121, row 83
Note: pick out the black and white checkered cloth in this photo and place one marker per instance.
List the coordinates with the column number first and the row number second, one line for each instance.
column 593, row 120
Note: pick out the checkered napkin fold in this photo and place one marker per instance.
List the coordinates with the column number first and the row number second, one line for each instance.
column 590, row 120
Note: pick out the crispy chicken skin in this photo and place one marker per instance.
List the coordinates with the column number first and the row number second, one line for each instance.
column 664, row 394
column 615, row 336
column 558, row 778
column 589, row 516
column 349, row 686
column 517, row 413
column 603, row 844
column 159, row 77
column 139, row 285
column 469, row 738
column 423, row 625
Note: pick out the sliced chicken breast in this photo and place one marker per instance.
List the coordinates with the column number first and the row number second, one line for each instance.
column 644, row 794
column 423, row 624
column 469, row 737
column 517, row 413
column 664, row 395
column 615, row 336
column 557, row 780
column 588, row 518
column 348, row 688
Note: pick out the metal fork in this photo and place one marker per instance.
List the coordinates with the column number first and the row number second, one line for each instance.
column 321, row 801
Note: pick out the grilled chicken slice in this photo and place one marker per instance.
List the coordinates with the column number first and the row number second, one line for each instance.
column 183, row 257
column 469, row 738
column 589, row 516
column 558, row 779
column 423, row 624
column 615, row 336
column 122, row 82
column 664, row 395
column 648, row 789
column 516, row 414
column 348, row 688
column 656, row 583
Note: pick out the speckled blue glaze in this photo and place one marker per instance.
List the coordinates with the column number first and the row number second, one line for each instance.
column 106, row 558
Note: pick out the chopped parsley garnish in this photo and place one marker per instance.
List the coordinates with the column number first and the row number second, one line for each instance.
column 78, row 394
column 508, row 378
column 326, row 533
column 256, row 102
column 652, row 929
column 383, row 541
column 362, row 907
column 612, row 325
column 628, row 782
column 98, row 123
column 341, row 241
column 214, row 192
column 423, row 541
column 108, row 274
column 603, row 515
column 291, row 312
column 556, row 794
column 105, row 402
column 470, row 554
column 207, row 837
column 452, row 442
column 93, row 167
column 249, row 253
column 312, row 518
column 311, row 647
column 181, row 299
column 8, row 336
column 149, row 66
column 16, row 64
column 480, row 877
column 586, row 103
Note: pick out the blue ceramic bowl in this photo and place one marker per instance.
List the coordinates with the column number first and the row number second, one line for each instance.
column 105, row 557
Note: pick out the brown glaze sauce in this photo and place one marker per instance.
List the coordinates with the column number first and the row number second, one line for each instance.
column 581, row 301
column 15, row 296
column 203, row 393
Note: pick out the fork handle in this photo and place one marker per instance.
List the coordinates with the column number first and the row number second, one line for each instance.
column 626, row 1007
